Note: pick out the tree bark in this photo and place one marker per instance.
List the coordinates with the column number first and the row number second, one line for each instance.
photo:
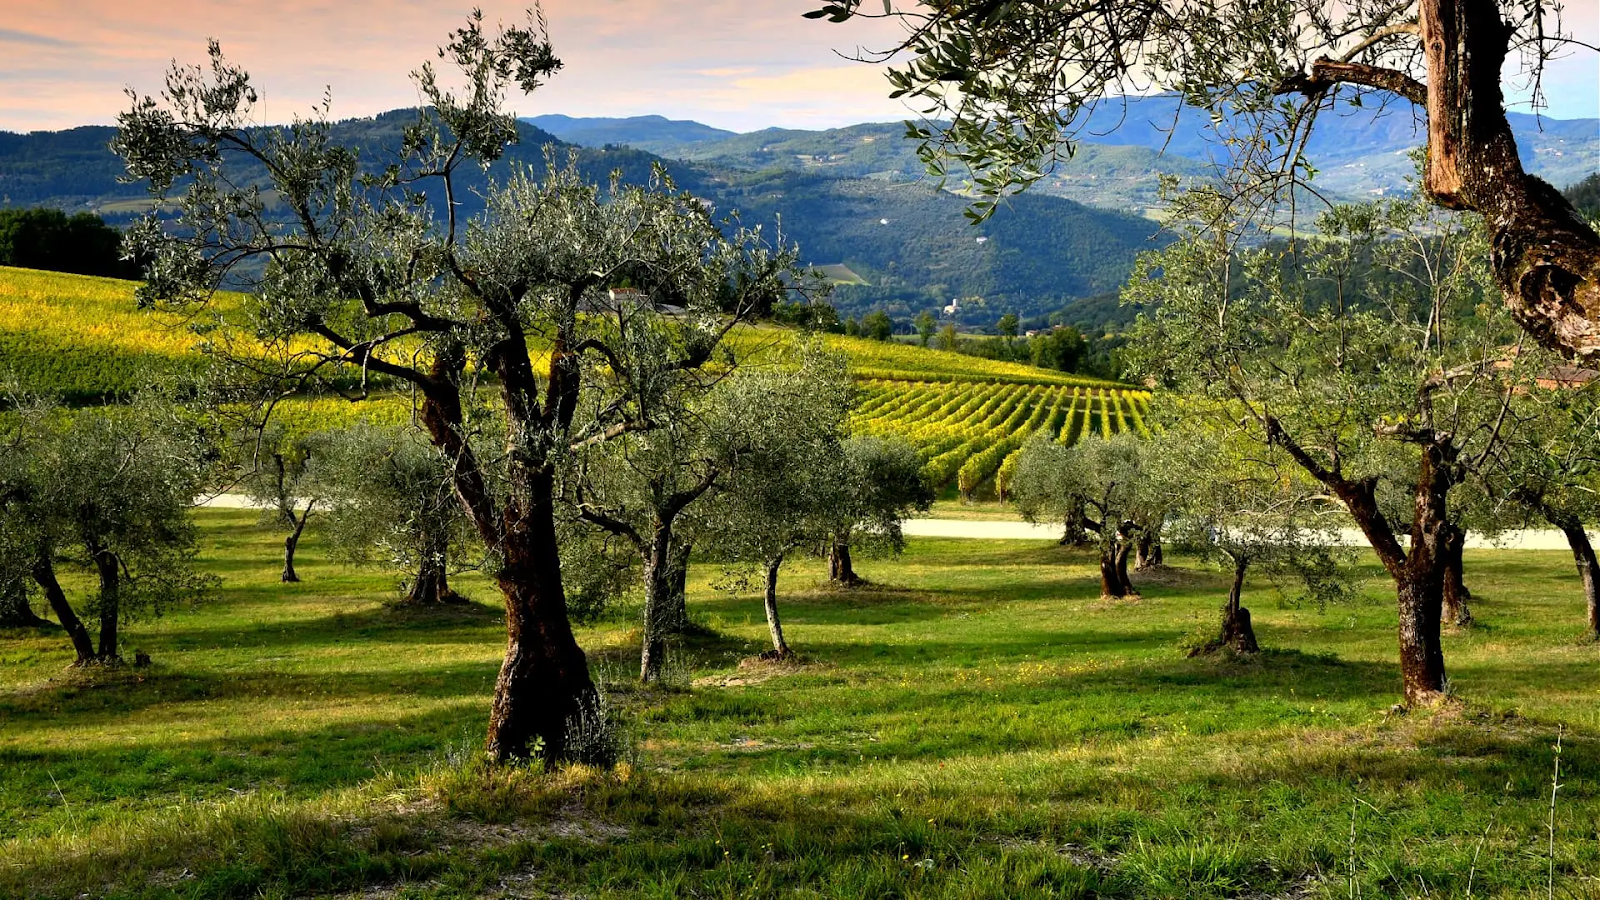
column 840, row 569
column 109, row 568
column 1237, row 632
column 675, row 611
column 1075, row 531
column 1114, row 583
column 1455, row 593
column 544, row 698
column 44, row 575
column 289, row 575
column 658, row 583
column 1418, row 574
column 780, row 649
column 431, row 586
column 1148, row 549
column 1546, row 259
column 1124, row 545
column 1583, row 556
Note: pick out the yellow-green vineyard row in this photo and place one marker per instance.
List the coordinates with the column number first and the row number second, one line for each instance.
column 972, row 433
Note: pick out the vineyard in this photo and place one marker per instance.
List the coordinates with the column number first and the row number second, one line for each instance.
column 83, row 339
column 971, row 433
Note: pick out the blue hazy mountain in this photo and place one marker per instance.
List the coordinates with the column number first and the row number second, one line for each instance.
column 648, row 133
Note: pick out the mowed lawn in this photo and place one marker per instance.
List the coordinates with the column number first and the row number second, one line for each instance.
column 976, row 724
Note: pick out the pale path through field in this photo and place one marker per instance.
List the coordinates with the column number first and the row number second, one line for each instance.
column 1530, row 539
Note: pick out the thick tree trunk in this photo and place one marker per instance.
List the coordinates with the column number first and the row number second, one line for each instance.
column 1075, row 532
column 675, row 611
column 840, row 569
column 1120, row 556
column 1546, row 259
column 431, row 585
column 109, row 568
column 1454, row 612
column 544, row 699
column 1237, row 632
column 1418, row 573
column 658, row 584
column 44, row 575
column 1420, row 579
column 1148, row 550
column 1583, row 556
column 780, row 649
column 1114, row 583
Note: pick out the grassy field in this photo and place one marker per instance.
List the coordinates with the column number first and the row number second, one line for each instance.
column 977, row 724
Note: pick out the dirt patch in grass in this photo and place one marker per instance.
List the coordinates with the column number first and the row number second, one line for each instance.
column 756, row 669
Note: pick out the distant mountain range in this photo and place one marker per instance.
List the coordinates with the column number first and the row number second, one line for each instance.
column 893, row 243
column 856, row 199
column 1125, row 143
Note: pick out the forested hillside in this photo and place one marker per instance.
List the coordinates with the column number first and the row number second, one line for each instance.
column 1043, row 253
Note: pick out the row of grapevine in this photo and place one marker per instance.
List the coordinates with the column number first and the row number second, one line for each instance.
column 972, row 433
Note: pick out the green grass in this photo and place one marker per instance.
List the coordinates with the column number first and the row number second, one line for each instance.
column 978, row 724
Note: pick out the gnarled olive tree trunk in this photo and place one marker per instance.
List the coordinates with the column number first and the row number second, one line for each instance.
column 660, row 580
column 109, row 569
column 544, row 696
column 1114, row 581
column 1583, row 556
column 431, row 585
column 1546, row 259
column 1418, row 574
column 841, row 571
column 1455, row 593
column 1237, row 633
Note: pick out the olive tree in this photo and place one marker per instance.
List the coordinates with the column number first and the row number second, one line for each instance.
column 276, row 476
column 1342, row 381
column 361, row 271
column 881, row 484
column 793, row 478
column 107, row 491
column 1096, row 485
column 390, row 502
column 1549, row 471
column 1007, row 88
column 1247, row 508
column 730, row 431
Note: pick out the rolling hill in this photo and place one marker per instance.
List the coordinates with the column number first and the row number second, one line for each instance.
column 1046, row 252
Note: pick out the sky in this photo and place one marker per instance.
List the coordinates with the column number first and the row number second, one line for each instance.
column 735, row 64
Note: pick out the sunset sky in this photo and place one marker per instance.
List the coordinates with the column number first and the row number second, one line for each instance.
column 734, row 64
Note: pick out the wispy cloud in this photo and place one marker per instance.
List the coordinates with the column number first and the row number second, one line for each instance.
column 12, row 36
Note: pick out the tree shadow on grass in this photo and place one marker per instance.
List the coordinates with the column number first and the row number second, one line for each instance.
column 463, row 623
column 101, row 698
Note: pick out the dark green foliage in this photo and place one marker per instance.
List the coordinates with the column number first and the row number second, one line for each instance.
column 1060, row 348
column 50, row 239
column 878, row 326
column 1585, row 195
